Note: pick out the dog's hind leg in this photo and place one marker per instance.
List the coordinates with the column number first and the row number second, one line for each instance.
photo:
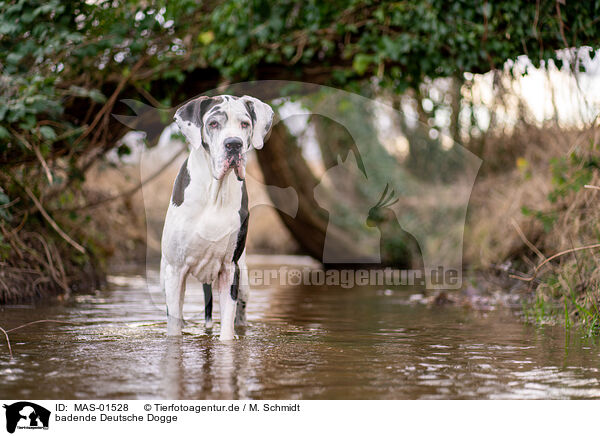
column 175, row 291
column 243, row 292
column 208, row 304
column 240, row 312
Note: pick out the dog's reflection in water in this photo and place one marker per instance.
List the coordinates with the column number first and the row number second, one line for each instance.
column 206, row 369
column 173, row 380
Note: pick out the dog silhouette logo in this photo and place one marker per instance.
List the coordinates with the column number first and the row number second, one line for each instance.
column 26, row 415
column 389, row 197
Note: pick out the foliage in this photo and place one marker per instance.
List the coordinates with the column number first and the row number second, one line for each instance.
column 569, row 176
column 565, row 297
column 56, row 53
column 65, row 65
column 571, row 291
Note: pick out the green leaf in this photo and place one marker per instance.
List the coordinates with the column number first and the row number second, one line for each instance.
column 48, row 133
column 4, row 213
column 97, row 96
column 14, row 58
column 206, row 38
column 94, row 94
column 361, row 62
column 4, row 133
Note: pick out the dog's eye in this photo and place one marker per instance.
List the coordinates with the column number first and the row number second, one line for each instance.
column 213, row 124
column 245, row 124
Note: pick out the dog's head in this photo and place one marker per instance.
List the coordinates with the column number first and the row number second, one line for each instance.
column 226, row 127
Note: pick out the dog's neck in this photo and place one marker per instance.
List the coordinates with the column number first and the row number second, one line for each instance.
column 212, row 191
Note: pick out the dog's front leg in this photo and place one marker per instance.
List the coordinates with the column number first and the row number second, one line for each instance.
column 227, row 286
column 174, row 283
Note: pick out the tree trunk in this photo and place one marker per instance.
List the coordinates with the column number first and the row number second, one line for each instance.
column 282, row 165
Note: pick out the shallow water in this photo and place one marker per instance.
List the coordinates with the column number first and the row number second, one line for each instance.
column 301, row 343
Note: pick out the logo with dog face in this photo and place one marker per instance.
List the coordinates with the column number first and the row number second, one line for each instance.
column 26, row 415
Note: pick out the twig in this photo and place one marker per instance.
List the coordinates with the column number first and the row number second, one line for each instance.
column 37, row 322
column 37, row 152
column 148, row 96
column 562, row 253
column 525, row 240
column 300, row 50
column 129, row 192
column 7, row 205
column 110, row 102
column 7, row 342
column 511, row 271
column 59, row 278
column 53, row 223
column 591, row 187
column 6, row 332
column 561, row 24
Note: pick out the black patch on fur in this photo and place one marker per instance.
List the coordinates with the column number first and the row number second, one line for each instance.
column 205, row 106
column 189, row 113
column 194, row 111
column 181, row 182
column 251, row 112
column 241, row 241
column 235, row 286
column 244, row 215
column 208, row 302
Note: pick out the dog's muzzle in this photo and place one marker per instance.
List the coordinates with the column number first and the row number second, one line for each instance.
column 234, row 157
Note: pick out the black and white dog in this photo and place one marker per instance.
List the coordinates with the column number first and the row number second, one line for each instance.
column 207, row 221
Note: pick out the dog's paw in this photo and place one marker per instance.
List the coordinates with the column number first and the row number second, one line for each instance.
column 241, row 322
column 174, row 326
column 226, row 336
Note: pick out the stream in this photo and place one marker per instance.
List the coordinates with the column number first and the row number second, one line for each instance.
column 301, row 343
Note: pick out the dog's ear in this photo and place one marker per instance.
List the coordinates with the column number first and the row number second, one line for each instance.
column 189, row 119
column 262, row 120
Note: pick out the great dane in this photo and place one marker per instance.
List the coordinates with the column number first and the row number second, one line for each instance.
column 205, row 229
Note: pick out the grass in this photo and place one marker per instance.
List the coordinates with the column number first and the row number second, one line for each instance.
column 570, row 296
column 536, row 215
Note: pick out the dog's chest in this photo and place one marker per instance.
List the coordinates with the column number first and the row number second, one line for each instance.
column 202, row 238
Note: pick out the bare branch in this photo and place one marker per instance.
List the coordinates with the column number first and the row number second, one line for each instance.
column 53, row 223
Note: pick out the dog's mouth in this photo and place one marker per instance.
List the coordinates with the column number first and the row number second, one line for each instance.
column 238, row 164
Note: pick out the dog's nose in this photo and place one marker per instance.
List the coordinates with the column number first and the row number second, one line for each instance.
column 233, row 144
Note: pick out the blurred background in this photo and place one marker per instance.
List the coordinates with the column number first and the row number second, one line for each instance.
column 507, row 92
